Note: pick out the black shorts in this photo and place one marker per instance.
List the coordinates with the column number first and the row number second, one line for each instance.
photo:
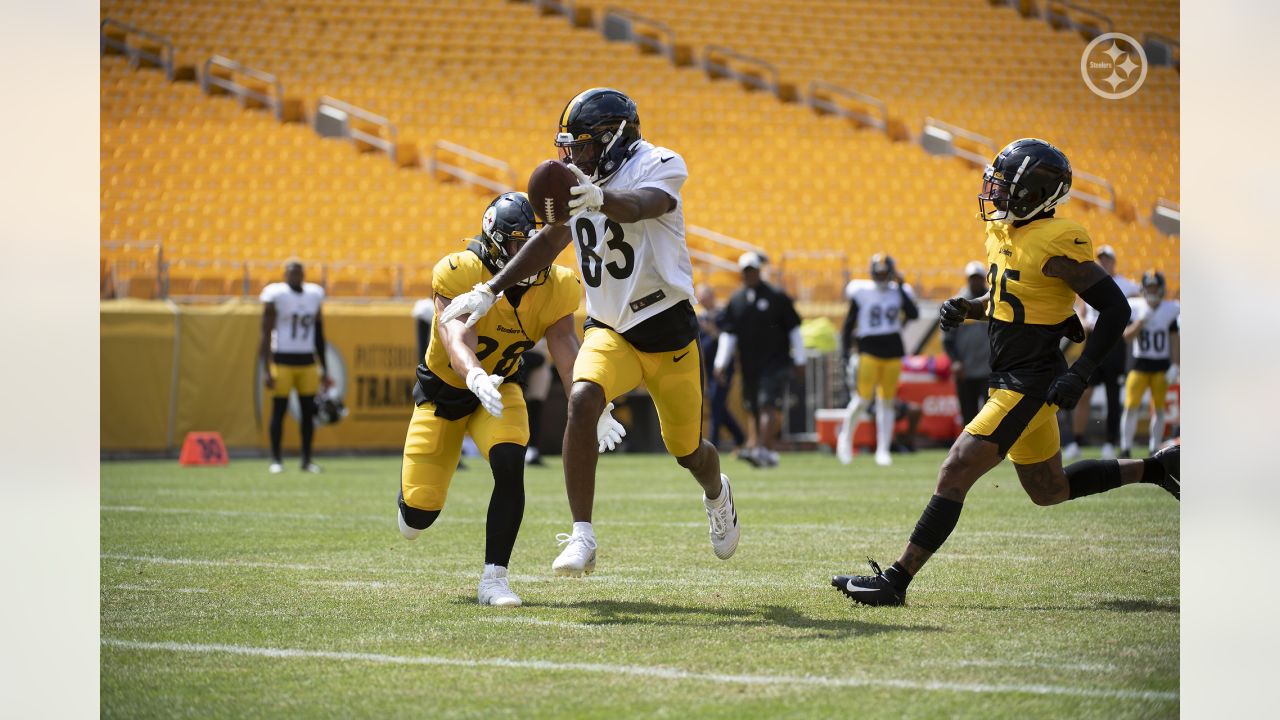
column 764, row 390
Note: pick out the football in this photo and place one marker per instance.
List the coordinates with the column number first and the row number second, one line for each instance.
column 549, row 186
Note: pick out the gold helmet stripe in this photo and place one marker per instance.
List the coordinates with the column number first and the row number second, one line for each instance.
column 568, row 109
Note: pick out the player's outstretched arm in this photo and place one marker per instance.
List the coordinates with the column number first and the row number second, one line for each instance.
column 629, row 206
column 539, row 252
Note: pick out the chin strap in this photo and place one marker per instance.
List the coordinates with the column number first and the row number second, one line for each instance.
column 595, row 176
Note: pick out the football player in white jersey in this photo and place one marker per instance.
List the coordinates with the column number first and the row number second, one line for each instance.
column 627, row 226
column 292, row 342
column 872, row 338
column 1154, row 334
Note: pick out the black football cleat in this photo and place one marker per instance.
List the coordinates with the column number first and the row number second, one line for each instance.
column 1169, row 459
column 870, row 589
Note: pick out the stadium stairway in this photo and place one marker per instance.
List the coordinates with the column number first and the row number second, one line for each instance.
column 217, row 183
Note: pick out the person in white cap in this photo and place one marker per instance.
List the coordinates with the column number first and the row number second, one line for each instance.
column 970, row 349
column 761, row 322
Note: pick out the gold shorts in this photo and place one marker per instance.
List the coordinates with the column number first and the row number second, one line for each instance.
column 882, row 373
column 1025, row 429
column 433, row 445
column 674, row 380
column 1138, row 382
column 303, row 378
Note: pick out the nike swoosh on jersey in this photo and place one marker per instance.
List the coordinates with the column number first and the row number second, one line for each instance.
column 1081, row 242
column 678, row 358
column 666, row 159
column 452, row 266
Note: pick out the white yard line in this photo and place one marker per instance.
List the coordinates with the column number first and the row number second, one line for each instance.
column 648, row 671
column 517, row 620
column 632, row 575
column 1038, row 664
column 147, row 588
column 1129, row 542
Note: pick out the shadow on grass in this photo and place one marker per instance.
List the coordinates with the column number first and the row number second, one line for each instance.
column 634, row 612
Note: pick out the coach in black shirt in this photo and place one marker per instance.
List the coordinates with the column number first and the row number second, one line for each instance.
column 761, row 323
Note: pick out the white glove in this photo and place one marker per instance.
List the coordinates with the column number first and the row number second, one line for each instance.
column 588, row 197
column 609, row 431
column 476, row 302
column 485, row 387
column 1171, row 375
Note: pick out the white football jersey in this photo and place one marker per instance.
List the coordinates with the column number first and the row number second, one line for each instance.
column 1152, row 341
column 295, row 316
column 879, row 311
column 634, row 271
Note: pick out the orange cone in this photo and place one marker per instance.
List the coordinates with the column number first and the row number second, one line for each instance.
column 203, row 448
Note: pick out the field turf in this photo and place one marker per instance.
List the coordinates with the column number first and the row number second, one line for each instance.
column 229, row 592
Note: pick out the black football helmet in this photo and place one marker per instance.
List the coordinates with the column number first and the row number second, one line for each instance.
column 1153, row 286
column 1028, row 177
column 598, row 132
column 329, row 408
column 882, row 269
column 507, row 225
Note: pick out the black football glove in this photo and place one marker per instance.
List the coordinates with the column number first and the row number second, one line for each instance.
column 953, row 312
column 1067, row 388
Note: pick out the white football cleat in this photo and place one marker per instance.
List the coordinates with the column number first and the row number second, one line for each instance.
column 494, row 589
column 312, row 468
column 723, row 520
column 578, row 558
column 275, row 468
column 1071, row 451
column 844, row 444
column 883, row 458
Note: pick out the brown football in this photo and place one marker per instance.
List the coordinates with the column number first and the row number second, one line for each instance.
column 549, row 191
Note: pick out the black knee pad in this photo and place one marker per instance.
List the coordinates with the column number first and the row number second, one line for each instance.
column 415, row 518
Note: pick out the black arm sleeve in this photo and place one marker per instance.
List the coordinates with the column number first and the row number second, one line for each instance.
column 320, row 344
column 850, row 324
column 909, row 309
column 1113, row 316
column 949, row 344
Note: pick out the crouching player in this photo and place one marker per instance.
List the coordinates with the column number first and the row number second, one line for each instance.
column 461, row 385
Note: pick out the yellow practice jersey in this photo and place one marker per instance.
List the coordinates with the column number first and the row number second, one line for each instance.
column 1031, row 312
column 517, row 321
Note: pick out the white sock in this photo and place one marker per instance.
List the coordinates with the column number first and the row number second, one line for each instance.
column 884, row 425
column 719, row 499
column 1157, row 430
column 851, row 414
column 584, row 529
column 1128, row 428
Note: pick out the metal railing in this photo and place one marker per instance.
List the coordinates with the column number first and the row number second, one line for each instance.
column 720, row 240
column 619, row 24
column 714, row 62
column 136, row 54
column 435, row 164
column 1065, row 19
column 243, row 92
column 357, row 134
column 1166, row 216
column 819, row 100
column 939, row 138
column 1162, row 50
column 1106, row 199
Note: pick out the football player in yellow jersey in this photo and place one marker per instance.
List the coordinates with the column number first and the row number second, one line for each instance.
column 1037, row 264
column 462, row 385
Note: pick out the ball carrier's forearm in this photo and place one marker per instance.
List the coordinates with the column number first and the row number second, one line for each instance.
column 541, row 250
column 631, row 206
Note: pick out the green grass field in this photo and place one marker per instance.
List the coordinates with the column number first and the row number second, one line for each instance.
column 229, row 592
